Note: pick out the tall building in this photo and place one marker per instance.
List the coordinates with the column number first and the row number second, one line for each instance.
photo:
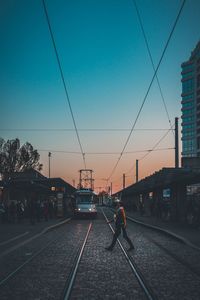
column 191, row 105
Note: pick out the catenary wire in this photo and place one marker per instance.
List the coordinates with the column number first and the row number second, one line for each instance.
column 104, row 153
column 149, row 87
column 63, row 79
column 148, row 152
column 152, row 62
column 152, row 150
column 83, row 129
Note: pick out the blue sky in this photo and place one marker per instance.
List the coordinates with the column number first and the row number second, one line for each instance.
column 107, row 72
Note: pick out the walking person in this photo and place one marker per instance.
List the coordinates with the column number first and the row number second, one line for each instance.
column 120, row 224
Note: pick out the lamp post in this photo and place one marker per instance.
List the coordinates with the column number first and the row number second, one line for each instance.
column 49, row 155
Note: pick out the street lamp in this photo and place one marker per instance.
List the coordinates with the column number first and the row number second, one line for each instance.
column 49, row 162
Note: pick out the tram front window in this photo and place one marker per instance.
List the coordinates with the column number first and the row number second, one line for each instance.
column 84, row 199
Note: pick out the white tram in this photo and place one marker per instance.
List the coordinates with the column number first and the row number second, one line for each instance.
column 84, row 203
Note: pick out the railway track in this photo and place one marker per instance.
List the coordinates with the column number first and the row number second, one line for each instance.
column 164, row 262
column 135, row 269
column 70, row 281
column 28, row 270
column 75, row 265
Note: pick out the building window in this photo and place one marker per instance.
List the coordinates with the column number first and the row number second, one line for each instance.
column 187, row 68
column 186, row 75
column 198, row 143
column 188, row 86
column 188, row 105
column 188, row 119
column 188, row 97
column 198, row 80
column 187, row 134
column 188, row 112
column 188, row 126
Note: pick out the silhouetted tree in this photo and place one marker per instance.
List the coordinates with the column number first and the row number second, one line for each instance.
column 16, row 158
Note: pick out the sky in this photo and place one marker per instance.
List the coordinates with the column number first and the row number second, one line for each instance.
column 107, row 72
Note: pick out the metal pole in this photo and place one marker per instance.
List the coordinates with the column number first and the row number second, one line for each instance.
column 136, row 170
column 49, row 163
column 176, row 144
column 111, row 188
column 124, row 181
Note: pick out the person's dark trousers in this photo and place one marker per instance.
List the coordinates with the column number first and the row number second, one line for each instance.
column 125, row 236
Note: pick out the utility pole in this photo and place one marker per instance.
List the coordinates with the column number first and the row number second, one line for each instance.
column 136, row 170
column 111, row 188
column 49, row 155
column 124, row 178
column 176, row 144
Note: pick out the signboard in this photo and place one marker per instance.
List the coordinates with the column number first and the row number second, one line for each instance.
column 60, row 195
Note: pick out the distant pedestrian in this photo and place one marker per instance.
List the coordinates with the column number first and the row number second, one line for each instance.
column 46, row 210
column 120, row 224
column 38, row 210
column 20, row 211
column 12, row 211
column 32, row 208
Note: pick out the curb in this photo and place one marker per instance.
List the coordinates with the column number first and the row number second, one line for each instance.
column 167, row 232
column 34, row 237
column 54, row 226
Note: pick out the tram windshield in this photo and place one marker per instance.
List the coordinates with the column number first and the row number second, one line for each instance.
column 84, row 199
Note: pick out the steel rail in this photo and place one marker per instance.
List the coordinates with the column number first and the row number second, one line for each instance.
column 163, row 248
column 72, row 276
column 147, row 290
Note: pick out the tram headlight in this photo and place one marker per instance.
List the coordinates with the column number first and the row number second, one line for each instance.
column 79, row 209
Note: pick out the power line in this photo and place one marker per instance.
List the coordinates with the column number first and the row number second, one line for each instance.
column 104, row 153
column 151, row 59
column 128, row 152
column 83, row 129
column 63, row 79
column 153, row 149
column 60, row 151
column 145, row 97
column 148, row 152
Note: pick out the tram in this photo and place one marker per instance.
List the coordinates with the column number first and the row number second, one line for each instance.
column 84, row 203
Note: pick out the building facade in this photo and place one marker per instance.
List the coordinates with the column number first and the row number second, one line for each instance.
column 191, row 105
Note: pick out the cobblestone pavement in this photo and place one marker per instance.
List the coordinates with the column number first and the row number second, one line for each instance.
column 183, row 230
column 168, row 278
column 10, row 233
column 45, row 276
column 102, row 274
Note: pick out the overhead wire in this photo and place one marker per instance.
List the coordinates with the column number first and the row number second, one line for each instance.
column 149, row 152
column 149, row 87
column 83, row 129
column 104, row 153
column 63, row 80
column 152, row 62
column 152, row 150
